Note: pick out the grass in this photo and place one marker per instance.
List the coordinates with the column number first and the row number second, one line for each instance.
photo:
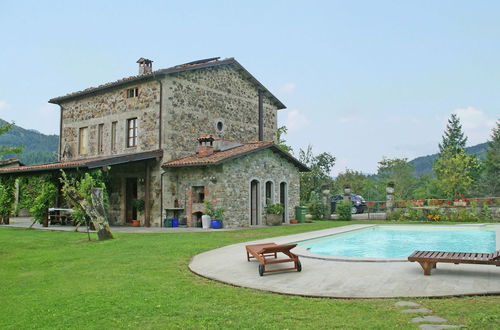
column 60, row 280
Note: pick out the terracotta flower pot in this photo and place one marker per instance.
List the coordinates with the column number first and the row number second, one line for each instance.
column 136, row 223
column 294, row 221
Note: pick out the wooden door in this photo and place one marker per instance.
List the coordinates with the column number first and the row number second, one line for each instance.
column 130, row 196
column 254, row 203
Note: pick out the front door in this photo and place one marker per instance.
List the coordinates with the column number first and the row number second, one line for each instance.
column 130, row 196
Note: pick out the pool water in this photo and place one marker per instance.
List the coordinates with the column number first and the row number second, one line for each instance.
column 390, row 242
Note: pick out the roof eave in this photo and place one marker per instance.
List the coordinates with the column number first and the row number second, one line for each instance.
column 163, row 72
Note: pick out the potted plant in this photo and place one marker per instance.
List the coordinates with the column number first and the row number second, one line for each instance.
column 209, row 214
column 139, row 206
column 274, row 214
column 218, row 216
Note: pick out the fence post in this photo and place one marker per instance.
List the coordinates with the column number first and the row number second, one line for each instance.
column 326, row 201
column 390, row 197
column 347, row 193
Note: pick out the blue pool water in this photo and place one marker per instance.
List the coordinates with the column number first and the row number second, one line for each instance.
column 387, row 242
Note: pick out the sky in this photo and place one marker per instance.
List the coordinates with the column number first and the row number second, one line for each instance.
column 362, row 80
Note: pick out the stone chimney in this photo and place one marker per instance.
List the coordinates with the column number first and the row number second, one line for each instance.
column 145, row 66
column 205, row 145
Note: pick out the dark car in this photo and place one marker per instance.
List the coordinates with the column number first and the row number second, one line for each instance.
column 358, row 203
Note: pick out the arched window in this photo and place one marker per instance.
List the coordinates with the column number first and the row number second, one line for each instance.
column 269, row 193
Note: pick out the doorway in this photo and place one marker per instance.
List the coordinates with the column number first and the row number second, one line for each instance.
column 254, row 203
column 130, row 196
column 284, row 200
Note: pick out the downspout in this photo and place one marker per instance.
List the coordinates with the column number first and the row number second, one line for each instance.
column 60, row 133
column 261, row 116
column 161, row 198
column 159, row 147
column 160, row 114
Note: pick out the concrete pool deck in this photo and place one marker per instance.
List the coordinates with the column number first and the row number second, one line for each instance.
column 347, row 278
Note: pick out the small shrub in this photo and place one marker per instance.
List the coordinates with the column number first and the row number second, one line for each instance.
column 343, row 210
column 485, row 212
column 6, row 201
column 315, row 206
column 43, row 201
column 396, row 215
column 275, row 209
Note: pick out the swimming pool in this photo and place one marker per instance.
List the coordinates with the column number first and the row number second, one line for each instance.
column 400, row 241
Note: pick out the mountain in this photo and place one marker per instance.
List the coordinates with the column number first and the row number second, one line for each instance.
column 38, row 148
column 423, row 165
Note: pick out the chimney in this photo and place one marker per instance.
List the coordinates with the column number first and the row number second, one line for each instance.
column 145, row 66
column 205, row 145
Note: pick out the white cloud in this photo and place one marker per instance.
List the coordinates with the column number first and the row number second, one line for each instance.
column 3, row 104
column 288, row 87
column 295, row 120
column 476, row 124
column 346, row 119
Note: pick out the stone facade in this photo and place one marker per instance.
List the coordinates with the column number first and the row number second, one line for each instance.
column 172, row 110
column 106, row 108
column 228, row 186
column 196, row 101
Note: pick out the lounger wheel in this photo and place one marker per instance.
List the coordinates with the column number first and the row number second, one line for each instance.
column 261, row 270
column 299, row 266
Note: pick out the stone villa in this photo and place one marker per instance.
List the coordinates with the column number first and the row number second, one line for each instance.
column 176, row 137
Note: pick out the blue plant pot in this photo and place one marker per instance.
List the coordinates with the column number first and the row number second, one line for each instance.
column 216, row 224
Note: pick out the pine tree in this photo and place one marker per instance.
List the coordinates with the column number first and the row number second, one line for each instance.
column 453, row 138
column 491, row 173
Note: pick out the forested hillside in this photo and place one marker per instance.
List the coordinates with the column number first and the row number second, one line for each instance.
column 423, row 165
column 38, row 148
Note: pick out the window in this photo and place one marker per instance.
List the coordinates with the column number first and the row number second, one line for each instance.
column 100, row 137
column 83, row 140
column 132, row 92
column 269, row 192
column 132, row 132
column 198, row 194
column 113, row 136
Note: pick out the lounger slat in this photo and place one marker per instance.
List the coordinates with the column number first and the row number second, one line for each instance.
column 429, row 259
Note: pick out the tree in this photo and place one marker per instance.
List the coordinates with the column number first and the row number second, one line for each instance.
column 280, row 141
column 320, row 166
column 356, row 180
column 399, row 171
column 453, row 138
column 8, row 150
column 490, row 178
column 93, row 204
column 456, row 172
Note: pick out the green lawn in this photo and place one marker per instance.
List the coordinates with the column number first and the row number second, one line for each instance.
column 60, row 280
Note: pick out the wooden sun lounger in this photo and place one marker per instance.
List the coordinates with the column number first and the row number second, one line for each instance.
column 267, row 254
column 429, row 259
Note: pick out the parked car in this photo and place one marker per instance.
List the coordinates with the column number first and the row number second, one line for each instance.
column 358, row 203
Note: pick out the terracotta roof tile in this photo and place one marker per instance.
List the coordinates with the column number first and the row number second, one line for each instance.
column 219, row 157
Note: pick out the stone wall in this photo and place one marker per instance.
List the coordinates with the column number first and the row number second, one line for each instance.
column 195, row 101
column 228, row 186
column 105, row 108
